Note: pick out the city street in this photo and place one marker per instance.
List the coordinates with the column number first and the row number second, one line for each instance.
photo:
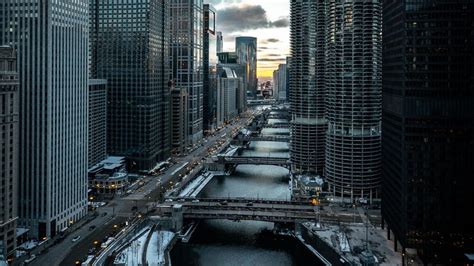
column 120, row 208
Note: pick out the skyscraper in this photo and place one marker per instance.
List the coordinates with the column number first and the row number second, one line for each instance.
column 282, row 82
column 246, row 50
column 97, row 121
column 209, row 67
column 354, row 102
column 186, row 59
column 428, row 127
column 9, row 151
column 52, row 40
column 229, row 94
column 220, row 43
column 307, row 87
column 179, row 119
column 131, row 52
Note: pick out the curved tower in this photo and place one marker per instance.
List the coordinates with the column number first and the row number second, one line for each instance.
column 307, row 90
column 354, row 96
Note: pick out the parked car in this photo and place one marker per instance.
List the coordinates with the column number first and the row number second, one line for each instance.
column 92, row 227
column 30, row 259
column 76, row 238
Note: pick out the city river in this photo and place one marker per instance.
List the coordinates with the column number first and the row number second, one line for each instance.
column 222, row 242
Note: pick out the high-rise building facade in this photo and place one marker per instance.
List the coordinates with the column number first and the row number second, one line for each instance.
column 354, row 97
column 229, row 95
column 220, row 42
column 186, row 59
column 428, row 127
column 227, row 57
column 307, row 87
column 275, row 84
column 282, row 83
column 209, row 67
column 246, row 50
column 52, row 40
column 9, row 113
column 179, row 119
column 131, row 51
column 97, row 121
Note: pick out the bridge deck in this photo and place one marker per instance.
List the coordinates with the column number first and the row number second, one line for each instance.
column 280, row 161
column 260, row 210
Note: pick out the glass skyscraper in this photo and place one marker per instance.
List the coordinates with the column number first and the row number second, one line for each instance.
column 130, row 50
column 210, row 40
column 187, row 59
column 428, row 127
column 51, row 39
column 246, row 50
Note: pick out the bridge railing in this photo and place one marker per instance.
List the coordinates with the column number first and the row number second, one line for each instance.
column 241, row 200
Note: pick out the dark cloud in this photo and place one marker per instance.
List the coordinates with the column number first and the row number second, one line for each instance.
column 216, row 2
column 245, row 17
column 267, row 59
column 281, row 23
column 273, row 55
column 272, row 40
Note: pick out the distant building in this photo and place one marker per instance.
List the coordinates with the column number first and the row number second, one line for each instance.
column 227, row 58
column 428, row 128
column 209, row 67
column 246, row 50
column 97, row 121
column 187, row 59
column 220, row 42
column 229, row 95
column 52, row 41
column 275, row 84
column 9, row 111
column 133, row 55
column 280, row 83
column 179, row 119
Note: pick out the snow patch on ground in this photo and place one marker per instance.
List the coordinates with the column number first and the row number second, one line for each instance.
column 159, row 241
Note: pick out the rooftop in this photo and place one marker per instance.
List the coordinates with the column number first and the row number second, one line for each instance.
column 350, row 242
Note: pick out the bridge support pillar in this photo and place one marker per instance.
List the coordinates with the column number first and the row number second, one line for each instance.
column 177, row 217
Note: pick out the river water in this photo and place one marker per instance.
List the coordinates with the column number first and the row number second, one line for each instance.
column 222, row 242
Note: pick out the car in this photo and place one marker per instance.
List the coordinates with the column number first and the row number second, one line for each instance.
column 134, row 208
column 104, row 214
column 195, row 201
column 92, row 227
column 30, row 259
column 223, row 203
column 168, row 200
column 76, row 238
column 181, row 200
column 249, row 204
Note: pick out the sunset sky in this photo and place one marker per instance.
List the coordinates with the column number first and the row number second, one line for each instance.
column 268, row 20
